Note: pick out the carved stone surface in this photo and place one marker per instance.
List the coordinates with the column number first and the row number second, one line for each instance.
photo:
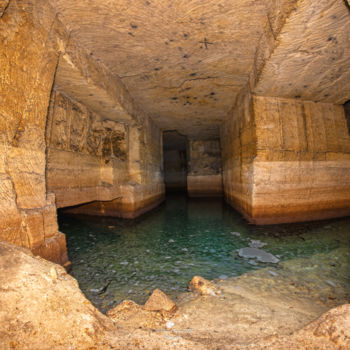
column 298, row 153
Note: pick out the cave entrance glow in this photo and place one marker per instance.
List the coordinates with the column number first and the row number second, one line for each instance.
column 115, row 259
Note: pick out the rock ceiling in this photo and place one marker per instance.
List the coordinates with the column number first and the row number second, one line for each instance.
column 183, row 62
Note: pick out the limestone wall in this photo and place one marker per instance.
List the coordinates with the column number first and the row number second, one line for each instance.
column 204, row 177
column 139, row 186
column 29, row 53
column 86, row 157
column 302, row 168
column 286, row 160
column 238, row 140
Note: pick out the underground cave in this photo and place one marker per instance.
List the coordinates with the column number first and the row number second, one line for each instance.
column 174, row 174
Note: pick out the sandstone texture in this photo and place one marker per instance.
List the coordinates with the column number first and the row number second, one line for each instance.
column 303, row 149
column 27, row 209
column 159, row 301
column 44, row 310
column 57, row 151
column 86, row 156
column 203, row 286
column 238, row 153
column 291, row 160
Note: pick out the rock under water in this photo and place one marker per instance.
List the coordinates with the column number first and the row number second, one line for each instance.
column 259, row 254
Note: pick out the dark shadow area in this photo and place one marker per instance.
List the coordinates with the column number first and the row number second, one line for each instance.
column 175, row 161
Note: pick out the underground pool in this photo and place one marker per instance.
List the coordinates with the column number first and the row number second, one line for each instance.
column 115, row 259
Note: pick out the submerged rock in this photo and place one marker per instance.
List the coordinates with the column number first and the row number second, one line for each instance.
column 258, row 254
column 159, row 301
column 256, row 243
column 237, row 234
column 203, row 286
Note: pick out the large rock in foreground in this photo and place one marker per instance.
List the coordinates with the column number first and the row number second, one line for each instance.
column 42, row 307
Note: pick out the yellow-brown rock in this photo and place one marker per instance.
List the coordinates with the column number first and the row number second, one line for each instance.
column 28, row 215
column 41, row 309
column 203, row 286
column 288, row 160
column 159, row 301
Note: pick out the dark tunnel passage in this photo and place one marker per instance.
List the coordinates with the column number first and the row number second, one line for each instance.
column 175, row 161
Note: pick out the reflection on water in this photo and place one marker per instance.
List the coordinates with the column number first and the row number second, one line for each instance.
column 184, row 237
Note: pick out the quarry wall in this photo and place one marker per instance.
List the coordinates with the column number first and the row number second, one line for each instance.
column 286, row 160
column 55, row 151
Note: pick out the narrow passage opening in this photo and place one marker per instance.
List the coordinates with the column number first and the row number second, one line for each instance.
column 175, row 161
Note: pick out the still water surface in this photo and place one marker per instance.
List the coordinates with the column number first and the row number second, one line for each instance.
column 182, row 238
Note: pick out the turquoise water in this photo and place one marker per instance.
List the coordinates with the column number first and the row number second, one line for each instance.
column 182, row 238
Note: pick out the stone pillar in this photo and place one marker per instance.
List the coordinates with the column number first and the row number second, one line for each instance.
column 238, row 142
column 291, row 160
column 28, row 59
column 302, row 168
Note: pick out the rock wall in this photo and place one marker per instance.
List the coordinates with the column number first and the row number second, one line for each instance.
column 29, row 53
column 287, row 160
column 140, row 186
column 238, row 140
column 302, row 168
column 204, row 177
column 86, row 156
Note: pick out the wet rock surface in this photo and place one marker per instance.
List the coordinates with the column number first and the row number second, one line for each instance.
column 260, row 255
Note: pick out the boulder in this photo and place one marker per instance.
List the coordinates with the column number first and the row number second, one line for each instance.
column 203, row 286
column 159, row 301
column 124, row 308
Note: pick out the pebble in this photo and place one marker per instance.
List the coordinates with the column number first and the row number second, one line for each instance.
column 236, row 234
column 255, row 243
